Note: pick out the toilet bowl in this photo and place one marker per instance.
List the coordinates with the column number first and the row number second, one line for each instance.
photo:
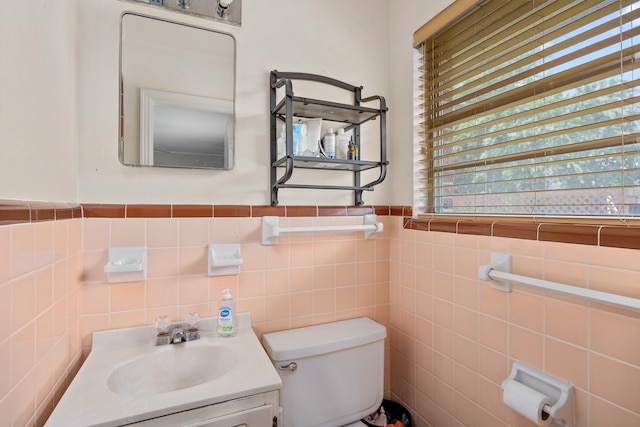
column 332, row 374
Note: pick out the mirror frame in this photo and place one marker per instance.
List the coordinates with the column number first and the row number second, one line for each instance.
column 189, row 101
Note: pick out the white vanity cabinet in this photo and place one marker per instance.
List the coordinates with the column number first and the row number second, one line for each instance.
column 129, row 381
column 253, row 411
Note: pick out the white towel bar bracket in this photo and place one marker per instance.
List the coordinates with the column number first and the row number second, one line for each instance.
column 500, row 262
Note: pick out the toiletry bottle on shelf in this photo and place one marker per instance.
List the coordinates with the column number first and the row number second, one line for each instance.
column 352, row 154
column 304, row 140
column 297, row 136
column 281, row 145
column 342, row 144
column 330, row 144
column 227, row 325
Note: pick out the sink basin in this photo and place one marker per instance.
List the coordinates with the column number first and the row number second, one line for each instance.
column 170, row 368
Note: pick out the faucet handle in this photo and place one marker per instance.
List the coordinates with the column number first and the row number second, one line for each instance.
column 193, row 321
column 162, row 325
column 162, row 330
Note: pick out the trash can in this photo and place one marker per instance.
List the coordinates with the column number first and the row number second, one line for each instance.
column 390, row 414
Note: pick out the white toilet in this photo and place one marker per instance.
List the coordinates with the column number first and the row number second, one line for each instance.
column 332, row 374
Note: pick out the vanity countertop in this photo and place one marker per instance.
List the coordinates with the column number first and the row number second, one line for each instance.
column 90, row 401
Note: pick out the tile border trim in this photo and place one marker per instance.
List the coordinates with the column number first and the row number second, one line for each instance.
column 96, row 210
column 19, row 212
column 627, row 237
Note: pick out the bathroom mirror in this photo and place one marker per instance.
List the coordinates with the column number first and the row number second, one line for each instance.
column 177, row 95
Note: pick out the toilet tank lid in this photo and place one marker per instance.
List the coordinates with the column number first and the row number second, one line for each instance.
column 320, row 339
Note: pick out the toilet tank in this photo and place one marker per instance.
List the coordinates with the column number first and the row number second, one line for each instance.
column 332, row 374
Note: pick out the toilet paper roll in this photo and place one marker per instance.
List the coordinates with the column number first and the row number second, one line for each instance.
column 527, row 402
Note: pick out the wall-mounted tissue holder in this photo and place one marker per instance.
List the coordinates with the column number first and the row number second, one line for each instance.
column 126, row 264
column 539, row 397
column 224, row 259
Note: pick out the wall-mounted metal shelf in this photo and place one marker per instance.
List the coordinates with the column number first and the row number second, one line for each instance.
column 354, row 115
column 323, row 163
column 335, row 112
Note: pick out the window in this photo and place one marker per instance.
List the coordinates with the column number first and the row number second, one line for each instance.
column 531, row 108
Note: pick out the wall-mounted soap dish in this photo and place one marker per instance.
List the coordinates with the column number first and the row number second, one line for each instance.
column 126, row 264
column 224, row 259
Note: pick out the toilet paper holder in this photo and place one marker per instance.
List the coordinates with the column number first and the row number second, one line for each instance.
column 560, row 392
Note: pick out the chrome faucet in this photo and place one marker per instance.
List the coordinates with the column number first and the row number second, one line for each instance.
column 175, row 333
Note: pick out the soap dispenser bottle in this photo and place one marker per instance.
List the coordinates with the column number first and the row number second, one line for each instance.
column 227, row 325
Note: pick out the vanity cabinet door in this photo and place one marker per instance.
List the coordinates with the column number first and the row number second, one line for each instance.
column 251, row 411
column 256, row 417
column 216, row 416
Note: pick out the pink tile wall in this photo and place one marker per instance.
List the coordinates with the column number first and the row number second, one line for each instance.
column 306, row 279
column 454, row 339
column 40, row 295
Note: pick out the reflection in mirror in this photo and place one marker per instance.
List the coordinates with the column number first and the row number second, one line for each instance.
column 184, row 130
column 177, row 95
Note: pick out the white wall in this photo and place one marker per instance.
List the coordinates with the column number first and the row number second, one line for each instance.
column 37, row 101
column 69, row 152
column 345, row 40
column 405, row 17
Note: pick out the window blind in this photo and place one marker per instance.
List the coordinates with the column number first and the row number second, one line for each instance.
column 532, row 108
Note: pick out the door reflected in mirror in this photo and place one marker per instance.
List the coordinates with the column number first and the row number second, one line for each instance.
column 177, row 95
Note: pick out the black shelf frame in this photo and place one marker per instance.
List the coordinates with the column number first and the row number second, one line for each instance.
column 354, row 115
